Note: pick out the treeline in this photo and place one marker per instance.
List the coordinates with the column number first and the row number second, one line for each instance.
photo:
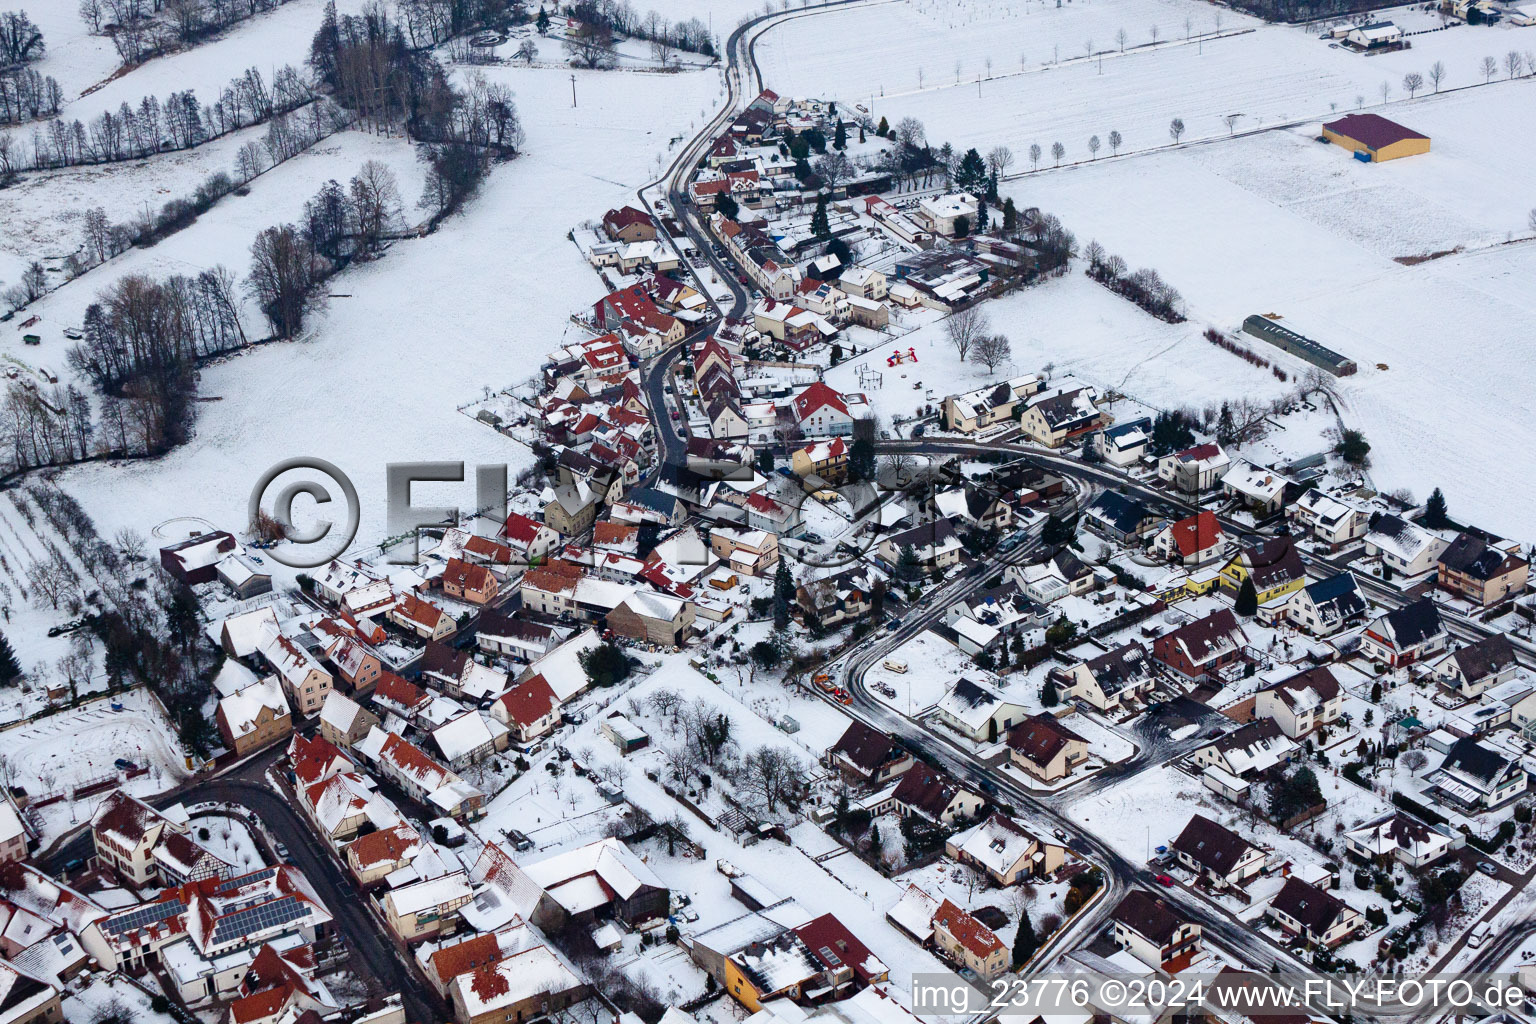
column 175, row 123
column 374, row 72
column 1144, row 287
column 26, row 95
column 430, row 22
column 622, row 18
column 1302, row 10
column 1243, row 352
column 290, row 261
column 141, row 29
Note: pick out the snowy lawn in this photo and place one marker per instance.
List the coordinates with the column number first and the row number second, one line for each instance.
column 229, row 839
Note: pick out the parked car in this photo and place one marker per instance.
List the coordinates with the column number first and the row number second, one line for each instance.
column 1164, row 879
column 518, row 840
column 124, row 765
column 1489, row 868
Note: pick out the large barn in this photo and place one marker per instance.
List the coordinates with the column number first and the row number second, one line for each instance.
column 1375, row 136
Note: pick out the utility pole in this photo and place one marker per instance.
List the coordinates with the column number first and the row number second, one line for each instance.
column 573, row 90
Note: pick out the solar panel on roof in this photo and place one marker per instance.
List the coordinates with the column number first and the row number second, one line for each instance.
column 259, row 918
column 142, row 916
column 244, row 880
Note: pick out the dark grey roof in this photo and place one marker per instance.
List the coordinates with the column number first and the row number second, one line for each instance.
column 1470, row 556
column 1471, row 758
column 1488, row 657
column 1123, row 514
column 867, row 748
column 1147, row 915
column 1315, row 908
column 1120, row 667
column 1412, row 624
column 1211, row 845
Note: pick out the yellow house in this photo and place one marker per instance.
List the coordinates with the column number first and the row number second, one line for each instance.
column 1375, row 136
column 1190, row 585
column 1274, row 566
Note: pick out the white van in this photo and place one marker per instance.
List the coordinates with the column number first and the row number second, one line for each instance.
column 896, row 665
column 1479, row 934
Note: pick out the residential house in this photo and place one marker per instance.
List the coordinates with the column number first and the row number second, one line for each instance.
column 1404, row 548
column 522, row 987
column 949, row 214
column 1045, row 748
column 1274, row 566
column 846, row 596
column 603, row 880
column 469, row 739
column 513, row 638
column 1398, row 837
column 1195, row 540
column 125, row 832
column 934, row 544
column 968, row 942
column 981, row 507
column 1474, row 668
column 1405, row 635
column 1330, row 520
column 254, row 717
column 571, row 508
column 749, row 552
column 1327, row 606
column 933, row 795
column 864, row 755
column 343, row 721
column 1153, row 932
column 1061, row 575
column 468, row 582
column 195, row 559
column 1061, row 413
column 819, row 411
column 653, row 617
column 1194, row 470
column 1314, row 914
column 243, row 576
column 1480, row 572
column 1206, row 647
column 781, row 518
column 1478, row 778
column 1111, row 681
column 1261, row 491
column 1001, row 848
column 989, row 405
column 1116, row 517
column 977, row 712
column 627, row 224
column 1248, row 752
column 427, row 908
column 1124, row 444
column 300, row 674
column 417, row 615
column 1305, row 701
column 827, row 460
column 25, row 999
column 1216, row 853
column 530, row 709
column 530, row 540
column 864, row 282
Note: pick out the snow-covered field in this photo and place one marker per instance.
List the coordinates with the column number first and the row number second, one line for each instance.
column 380, row 372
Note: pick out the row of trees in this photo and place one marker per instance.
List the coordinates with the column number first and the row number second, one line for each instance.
column 24, row 93
column 430, row 22
column 1144, row 287
column 141, row 29
column 177, row 122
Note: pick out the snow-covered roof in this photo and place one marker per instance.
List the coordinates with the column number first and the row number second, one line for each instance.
column 998, row 843
column 463, row 736
column 243, row 708
column 512, row 981
column 434, row 892
column 605, row 863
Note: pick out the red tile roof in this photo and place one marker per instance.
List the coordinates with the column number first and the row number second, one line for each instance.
column 976, row 937
column 815, row 397
column 1197, row 533
column 529, row 701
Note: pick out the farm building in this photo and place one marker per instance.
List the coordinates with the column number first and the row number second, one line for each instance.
column 1375, row 136
column 1298, row 345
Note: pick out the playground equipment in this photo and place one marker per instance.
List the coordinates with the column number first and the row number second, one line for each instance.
column 870, row 379
column 896, row 358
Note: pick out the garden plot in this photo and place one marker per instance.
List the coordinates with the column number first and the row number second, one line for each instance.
column 228, row 839
column 971, row 890
column 377, row 377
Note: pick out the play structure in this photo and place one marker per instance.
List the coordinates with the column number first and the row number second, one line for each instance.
column 896, row 358
column 870, row 379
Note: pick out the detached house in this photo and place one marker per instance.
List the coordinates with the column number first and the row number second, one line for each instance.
column 1248, row 752
column 990, row 405
column 1204, row 648
column 1405, row 635
column 1216, row 853
column 1481, row 573
column 1274, row 566
column 822, row 412
column 1192, row 541
column 1398, row 837
column 968, row 942
column 1045, row 748
column 1153, row 932
column 1301, row 703
column 1061, row 414
column 977, row 712
column 1330, row 521
column 473, row 583
column 1194, row 470
column 1477, row 778
column 422, row 617
column 935, row 545
column 1474, row 668
column 1314, row 914
column 1001, row 848
column 933, row 795
column 1327, row 606
column 529, row 710
column 1403, row 547
column 1111, row 681
column 864, row 755
column 254, row 716
column 628, row 224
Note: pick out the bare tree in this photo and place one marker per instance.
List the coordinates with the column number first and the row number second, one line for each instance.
column 130, row 544
column 98, row 233
column 1231, row 120
column 992, row 350
column 1386, row 91
column 527, row 50
column 1488, row 67
column 1412, row 83
column 1153, row 32
column 1530, row 220
column 1513, row 62
column 376, row 198
column 1437, row 74
column 999, row 159
column 1034, row 155
column 965, row 328
column 1176, row 129
column 834, row 168
column 771, row 774
column 1093, row 147
column 1121, row 38
column 1114, row 142
column 250, row 161
column 1057, row 152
